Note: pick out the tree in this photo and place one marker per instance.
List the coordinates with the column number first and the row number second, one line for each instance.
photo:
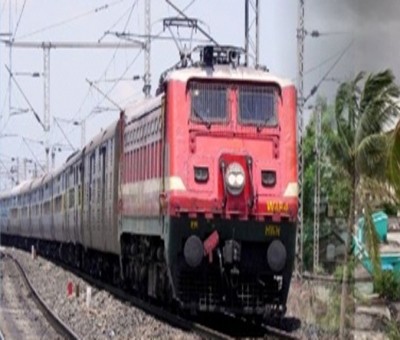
column 334, row 186
column 363, row 108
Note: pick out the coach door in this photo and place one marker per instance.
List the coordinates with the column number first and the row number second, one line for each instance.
column 92, row 197
column 103, row 184
column 75, row 207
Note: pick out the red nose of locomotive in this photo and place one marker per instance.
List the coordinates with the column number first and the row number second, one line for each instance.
column 236, row 187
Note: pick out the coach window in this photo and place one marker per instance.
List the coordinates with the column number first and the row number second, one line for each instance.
column 91, row 174
column 257, row 105
column 159, row 124
column 154, row 126
column 208, row 102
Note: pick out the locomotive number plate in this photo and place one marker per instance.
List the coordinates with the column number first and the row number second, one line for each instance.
column 277, row 207
column 273, row 230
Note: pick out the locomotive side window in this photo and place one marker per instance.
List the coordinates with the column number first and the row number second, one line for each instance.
column 209, row 102
column 257, row 105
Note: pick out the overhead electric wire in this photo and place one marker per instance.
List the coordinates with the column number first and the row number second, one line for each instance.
column 188, row 5
column 4, row 106
column 3, row 8
column 152, row 37
column 33, row 154
column 116, row 49
column 7, row 170
column 316, row 67
column 199, row 28
column 89, row 91
column 67, row 21
column 128, row 10
column 65, row 136
column 26, row 98
column 115, row 84
column 19, row 18
column 315, row 87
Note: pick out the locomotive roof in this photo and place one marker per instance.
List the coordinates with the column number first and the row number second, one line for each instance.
column 227, row 72
column 137, row 108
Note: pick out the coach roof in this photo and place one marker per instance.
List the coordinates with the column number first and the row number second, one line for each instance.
column 227, row 72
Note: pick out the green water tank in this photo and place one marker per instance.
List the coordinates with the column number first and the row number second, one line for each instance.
column 381, row 226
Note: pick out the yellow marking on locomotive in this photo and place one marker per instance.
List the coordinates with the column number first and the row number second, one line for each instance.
column 272, row 230
column 277, row 207
column 194, row 225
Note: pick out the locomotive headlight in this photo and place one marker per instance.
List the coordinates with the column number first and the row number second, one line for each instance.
column 235, row 178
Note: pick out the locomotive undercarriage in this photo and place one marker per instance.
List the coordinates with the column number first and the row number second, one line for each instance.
column 233, row 276
column 144, row 267
column 220, row 283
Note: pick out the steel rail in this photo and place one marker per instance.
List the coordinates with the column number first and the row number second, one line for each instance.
column 280, row 333
column 167, row 316
column 60, row 327
column 173, row 319
column 325, row 278
column 158, row 312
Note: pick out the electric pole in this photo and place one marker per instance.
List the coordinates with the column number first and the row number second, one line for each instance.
column 147, row 49
column 46, row 101
column 300, row 160
column 46, row 46
column 252, row 31
column 317, row 189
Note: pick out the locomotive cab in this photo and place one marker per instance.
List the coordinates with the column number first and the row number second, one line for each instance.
column 232, row 199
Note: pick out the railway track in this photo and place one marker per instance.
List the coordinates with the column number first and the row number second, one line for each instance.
column 59, row 326
column 202, row 328
column 326, row 278
column 184, row 323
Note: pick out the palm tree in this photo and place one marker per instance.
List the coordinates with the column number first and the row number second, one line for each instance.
column 364, row 107
column 394, row 160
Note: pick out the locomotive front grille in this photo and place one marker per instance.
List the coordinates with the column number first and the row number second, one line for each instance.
column 208, row 291
column 204, row 291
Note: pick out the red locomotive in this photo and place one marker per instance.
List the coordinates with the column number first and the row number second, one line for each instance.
column 191, row 196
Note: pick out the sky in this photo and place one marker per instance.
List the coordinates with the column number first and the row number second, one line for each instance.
column 355, row 35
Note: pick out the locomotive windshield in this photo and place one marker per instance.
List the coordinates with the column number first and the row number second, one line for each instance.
column 257, row 105
column 208, row 102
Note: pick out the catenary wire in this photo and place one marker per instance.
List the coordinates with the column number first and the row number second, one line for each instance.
column 67, row 21
column 315, row 87
column 19, row 18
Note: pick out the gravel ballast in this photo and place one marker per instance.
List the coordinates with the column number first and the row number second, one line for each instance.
column 105, row 318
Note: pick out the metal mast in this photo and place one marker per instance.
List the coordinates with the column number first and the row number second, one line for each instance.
column 46, row 101
column 147, row 49
column 317, row 189
column 300, row 104
column 10, row 59
column 252, row 31
column 46, row 46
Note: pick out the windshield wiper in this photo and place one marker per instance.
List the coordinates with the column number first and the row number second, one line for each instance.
column 202, row 119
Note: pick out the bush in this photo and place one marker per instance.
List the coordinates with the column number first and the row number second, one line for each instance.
column 387, row 285
column 390, row 209
column 338, row 274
